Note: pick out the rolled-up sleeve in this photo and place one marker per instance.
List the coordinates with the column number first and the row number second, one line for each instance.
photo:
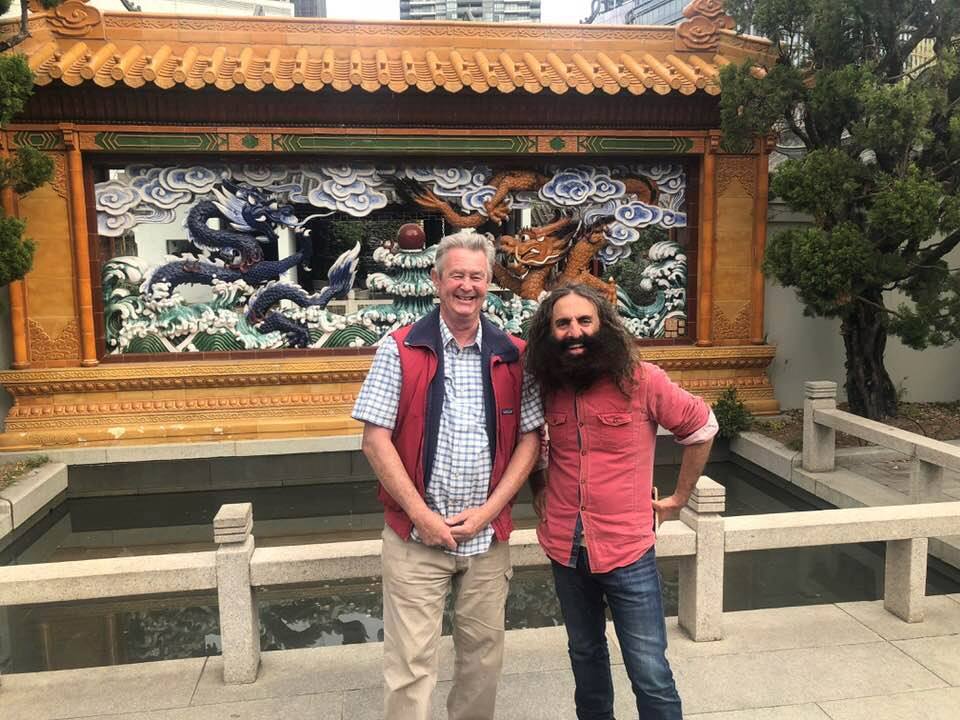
column 703, row 434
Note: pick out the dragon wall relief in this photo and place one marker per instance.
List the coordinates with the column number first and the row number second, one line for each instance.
column 230, row 213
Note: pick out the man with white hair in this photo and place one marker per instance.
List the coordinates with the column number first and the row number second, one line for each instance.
column 451, row 430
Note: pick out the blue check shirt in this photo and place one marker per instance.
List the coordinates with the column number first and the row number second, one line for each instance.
column 460, row 478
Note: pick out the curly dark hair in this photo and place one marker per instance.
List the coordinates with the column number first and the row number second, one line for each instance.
column 616, row 355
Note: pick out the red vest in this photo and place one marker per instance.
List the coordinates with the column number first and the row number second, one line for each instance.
column 421, row 402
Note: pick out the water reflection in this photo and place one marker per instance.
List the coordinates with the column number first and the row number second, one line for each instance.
column 167, row 627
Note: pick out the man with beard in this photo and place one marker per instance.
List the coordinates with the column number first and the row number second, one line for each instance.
column 596, row 512
column 451, row 429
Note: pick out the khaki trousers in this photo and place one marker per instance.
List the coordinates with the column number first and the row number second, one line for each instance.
column 416, row 580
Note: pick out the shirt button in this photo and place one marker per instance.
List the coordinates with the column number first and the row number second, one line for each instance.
column 583, row 507
column 580, row 424
column 583, row 452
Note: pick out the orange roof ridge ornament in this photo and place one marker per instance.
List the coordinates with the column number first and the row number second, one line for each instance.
column 75, row 44
column 701, row 30
column 73, row 18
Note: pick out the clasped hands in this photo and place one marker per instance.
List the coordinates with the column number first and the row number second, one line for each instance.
column 438, row 531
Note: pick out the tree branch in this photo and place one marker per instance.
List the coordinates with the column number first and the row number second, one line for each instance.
column 23, row 33
column 878, row 306
column 937, row 252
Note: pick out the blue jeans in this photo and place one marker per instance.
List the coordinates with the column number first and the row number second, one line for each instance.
column 633, row 594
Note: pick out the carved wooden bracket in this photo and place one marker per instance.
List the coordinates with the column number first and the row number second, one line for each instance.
column 700, row 31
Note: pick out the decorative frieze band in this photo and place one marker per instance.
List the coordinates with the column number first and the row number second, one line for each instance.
column 476, row 143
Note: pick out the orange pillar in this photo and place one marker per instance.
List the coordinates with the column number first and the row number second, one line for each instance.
column 759, row 242
column 18, row 289
column 78, row 220
column 708, row 241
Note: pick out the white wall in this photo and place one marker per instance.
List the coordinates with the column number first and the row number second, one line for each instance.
column 812, row 349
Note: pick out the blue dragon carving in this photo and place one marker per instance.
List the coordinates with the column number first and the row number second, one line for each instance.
column 259, row 308
column 253, row 217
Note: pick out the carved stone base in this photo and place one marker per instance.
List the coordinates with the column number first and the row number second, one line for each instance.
column 137, row 403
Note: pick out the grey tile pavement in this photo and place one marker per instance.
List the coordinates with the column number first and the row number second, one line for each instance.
column 940, row 618
column 809, row 663
column 940, row 655
column 807, row 711
column 941, row 704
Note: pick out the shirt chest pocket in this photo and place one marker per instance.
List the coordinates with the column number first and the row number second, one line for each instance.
column 560, row 428
column 615, row 428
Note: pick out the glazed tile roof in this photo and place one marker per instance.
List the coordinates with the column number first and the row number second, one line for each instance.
column 76, row 44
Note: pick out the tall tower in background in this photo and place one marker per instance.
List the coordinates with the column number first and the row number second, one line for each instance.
column 636, row 12
column 478, row 10
column 310, row 8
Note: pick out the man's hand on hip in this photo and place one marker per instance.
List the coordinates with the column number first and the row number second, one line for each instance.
column 669, row 508
column 464, row 525
column 433, row 531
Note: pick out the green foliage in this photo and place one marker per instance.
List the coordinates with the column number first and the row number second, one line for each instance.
column 25, row 170
column 16, row 253
column 732, row 415
column 880, row 169
column 16, row 86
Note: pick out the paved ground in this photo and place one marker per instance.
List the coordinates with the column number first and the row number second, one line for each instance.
column 851, row 661
column 894, row 474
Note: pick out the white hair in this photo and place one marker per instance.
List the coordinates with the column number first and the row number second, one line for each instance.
column 468, row 239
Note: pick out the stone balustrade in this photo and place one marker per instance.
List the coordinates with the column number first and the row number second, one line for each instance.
column 700, row 539
column 822, row 420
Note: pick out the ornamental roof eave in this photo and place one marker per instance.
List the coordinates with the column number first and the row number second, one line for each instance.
column 75, row 44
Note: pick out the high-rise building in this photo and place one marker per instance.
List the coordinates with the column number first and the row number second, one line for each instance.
column 636, row 12
column 485, row 10
column 310, row 8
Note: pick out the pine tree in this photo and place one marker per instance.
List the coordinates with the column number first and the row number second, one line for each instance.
column 870, row 89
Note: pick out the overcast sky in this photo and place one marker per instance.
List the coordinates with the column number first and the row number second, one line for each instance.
column 551, row 11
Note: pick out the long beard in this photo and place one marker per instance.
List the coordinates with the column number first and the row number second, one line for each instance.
column 603, row 356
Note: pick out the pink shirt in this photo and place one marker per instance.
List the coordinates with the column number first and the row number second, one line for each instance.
column 601, row 464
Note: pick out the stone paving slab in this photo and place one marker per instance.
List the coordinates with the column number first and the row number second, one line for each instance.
column 99, row 691
column 546, row 695
column 794, row 677
column 940, row 618
column 940, row 704
column 788, row 712
column 287, row 673
column 762, row 630
column 940, row 655
column 328, row 706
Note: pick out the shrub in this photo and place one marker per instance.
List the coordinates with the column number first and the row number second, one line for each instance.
column 732, row 415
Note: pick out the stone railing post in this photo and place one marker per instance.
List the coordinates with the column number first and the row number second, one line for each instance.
column 926, row 482
column 905, row 578
column 701, row 575
column 819, row 442
column 239, row 624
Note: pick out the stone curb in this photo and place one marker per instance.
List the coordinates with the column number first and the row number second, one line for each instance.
column 32, row 491
column 6, row 517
